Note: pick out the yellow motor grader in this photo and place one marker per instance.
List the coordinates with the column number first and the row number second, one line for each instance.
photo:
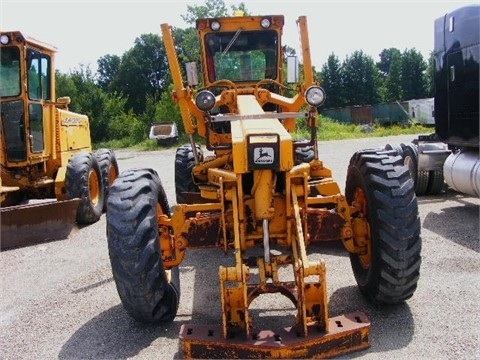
column 263, row 198
column 50, row 178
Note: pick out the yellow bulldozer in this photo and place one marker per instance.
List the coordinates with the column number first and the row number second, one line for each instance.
column 50, row 177
column 263, row 198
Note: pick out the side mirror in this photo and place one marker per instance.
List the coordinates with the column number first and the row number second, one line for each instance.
column 192, row 73
column 292, row 69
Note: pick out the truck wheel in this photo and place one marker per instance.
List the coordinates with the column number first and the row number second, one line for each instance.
column 379, row 186
column 84, row 181
column 435, row 183
column 184, row 163
column 108, row 164
column 304, row 154
column 147, row 293
column 420, row 178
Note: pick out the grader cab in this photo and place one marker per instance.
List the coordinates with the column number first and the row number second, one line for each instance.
column 263, row 198
column 50, row 177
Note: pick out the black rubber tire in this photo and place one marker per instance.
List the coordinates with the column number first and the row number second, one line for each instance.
column 304, row 154
column 420, row 178
column 84, row 181
column 136, row 199
column 184, row 163
column 391, row 274
column 435, row 182
column 108, row 164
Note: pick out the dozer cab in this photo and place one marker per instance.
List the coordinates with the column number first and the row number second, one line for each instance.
column 50, row 177
column 264, row 199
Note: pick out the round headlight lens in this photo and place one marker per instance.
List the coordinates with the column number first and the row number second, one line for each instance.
column 315, row 95
column 205, row 100
column 4, row 39
column 215, row 26
column 265, row 23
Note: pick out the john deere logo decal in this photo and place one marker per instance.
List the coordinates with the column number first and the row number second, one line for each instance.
column 263, row 155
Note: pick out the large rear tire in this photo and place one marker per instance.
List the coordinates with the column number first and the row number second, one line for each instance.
column 184, row 163
column 108, row 164
column 145, row 288
column 84, row 181
column 381, row 188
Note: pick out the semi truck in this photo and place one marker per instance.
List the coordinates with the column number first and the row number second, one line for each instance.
column 450, row 156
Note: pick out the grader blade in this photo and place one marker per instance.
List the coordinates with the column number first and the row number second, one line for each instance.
column 347, row 333
column 32, row 223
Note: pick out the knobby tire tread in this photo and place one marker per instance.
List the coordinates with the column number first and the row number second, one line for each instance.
column 184, row 163
column 77, row 186
column 107, row 161
column 135, row 256
column 394, row 225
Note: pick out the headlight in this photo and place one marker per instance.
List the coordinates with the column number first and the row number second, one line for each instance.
column 205, row 100
column 265, row 23
column 215, row 25
column 315, row 95
column 4, row 39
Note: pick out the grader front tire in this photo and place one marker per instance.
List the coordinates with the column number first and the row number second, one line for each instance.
column 147, row 293
column 381, row 189
column 108, row 164
column 184, row 163
column 84, row 181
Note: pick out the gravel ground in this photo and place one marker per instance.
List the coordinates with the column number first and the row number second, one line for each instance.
column 58, row 299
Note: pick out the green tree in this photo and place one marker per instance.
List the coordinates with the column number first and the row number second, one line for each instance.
column 167, row 109
column 331, row 80
column 211, row 9
column 86, row 98
column 386, row 58
column 65, row 86
column 103, row 109
column 360, row 80
column 108, row 67
column 413, row 76
column 143, row 72
column 392, row 89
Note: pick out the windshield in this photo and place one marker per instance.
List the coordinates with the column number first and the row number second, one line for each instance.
column 242, row 55
column 9, row 71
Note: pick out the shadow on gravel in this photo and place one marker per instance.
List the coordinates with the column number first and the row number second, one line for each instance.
column 114, row 335
column 458, row 223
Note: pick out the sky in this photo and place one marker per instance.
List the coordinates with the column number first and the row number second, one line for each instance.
column 84, row 31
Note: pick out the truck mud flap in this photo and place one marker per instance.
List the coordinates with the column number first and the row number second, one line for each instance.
column 28, row 224
column 347, row 333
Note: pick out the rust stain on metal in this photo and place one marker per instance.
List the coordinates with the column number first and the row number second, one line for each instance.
column 347, row 333
column 324, row 225
column 203, row 234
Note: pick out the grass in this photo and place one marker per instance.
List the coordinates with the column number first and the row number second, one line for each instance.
column 332, row 130
column 328, row 130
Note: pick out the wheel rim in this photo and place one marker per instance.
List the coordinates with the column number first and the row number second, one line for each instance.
column 362, row 229
column 408, row 161
column 94, row 188
column 112, row 175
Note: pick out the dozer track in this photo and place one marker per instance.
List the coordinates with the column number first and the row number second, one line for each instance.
column 38, row 222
